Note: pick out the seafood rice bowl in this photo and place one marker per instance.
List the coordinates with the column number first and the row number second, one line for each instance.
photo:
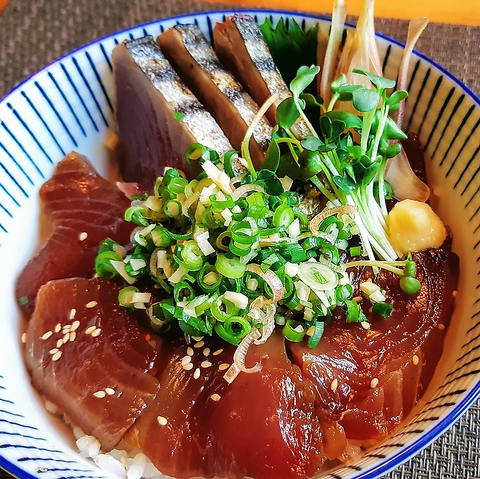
column 187, row 404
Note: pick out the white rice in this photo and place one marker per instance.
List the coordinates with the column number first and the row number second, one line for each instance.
column 134, row 465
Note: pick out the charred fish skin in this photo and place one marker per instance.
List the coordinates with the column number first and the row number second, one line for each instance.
column 173, row 118
column 240, row 46
column 196, row 62
column 149, row 58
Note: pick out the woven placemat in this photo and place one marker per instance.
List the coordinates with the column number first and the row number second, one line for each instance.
column 36, row 32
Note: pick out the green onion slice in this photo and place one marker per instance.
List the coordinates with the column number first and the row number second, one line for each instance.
column 294, row 331
column 317, row 276
column 230, row 266
column 316, row 334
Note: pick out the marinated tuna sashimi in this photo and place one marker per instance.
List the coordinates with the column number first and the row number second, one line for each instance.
column 367, row 379
column 83, row 209
column 194, row 59
column 158, row 117
column 261, row 425
column 168, row 397
column 91, row 359
column 240, row 46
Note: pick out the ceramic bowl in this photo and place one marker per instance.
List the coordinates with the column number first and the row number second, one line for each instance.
column 69, row 105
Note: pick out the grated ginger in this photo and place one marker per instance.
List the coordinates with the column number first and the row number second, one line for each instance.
column 413, row 226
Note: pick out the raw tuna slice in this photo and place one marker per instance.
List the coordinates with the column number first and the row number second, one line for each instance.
column 367, row 380
column 195, row 61
column 158, row 116
column 89, row 358
column 241, row 48
column 262, row 425
column 83, row 209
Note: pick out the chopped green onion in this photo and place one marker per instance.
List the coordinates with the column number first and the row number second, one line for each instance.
column 317, row 276
column 226, row 336
column 172, row 208
column 354, row 313
column 237, row 326
column 137, row 265
column 294, row 253
column 183, row 291
column 382, row 309
column 161, row 237
column 343, row 292
column 316, row 334
column 283, row 216
column 136, row 215
column 355, row 251
column 208, row 278
column 293, row 331
column 170, row 173
column 189, row 255
column 109, row 245
column 125, row 296
column 177, row 185
column 228, row 160
column 103, row 264
column 222, row 309
column 230, row 266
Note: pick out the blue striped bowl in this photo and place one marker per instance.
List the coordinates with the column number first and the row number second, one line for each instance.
column 69, row 106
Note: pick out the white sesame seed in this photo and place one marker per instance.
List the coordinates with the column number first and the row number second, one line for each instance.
column 200, row 344
column 186, row 360
column 196, row 374
column 215, row 397
column 24, row 338
column 91, row 304
column 223, row 366
column 90, row 329
column 100, row 394
column 47, row 335
column 83, row 236
column 66, row 329
column 72, row 336
column 374, row 383
column 72, row 314
column 365, row 325
column 53, row 351
column 66, row 338
column 334, row 384
column 188, row 366
column 205, row 364
column 217, row 352
column 56, row 356
column 96, row 332
column 162, row 420
column 110, row 391
column 206, row 352
column 197, row 338
column 58, row 328
column 75, row 325
column 190, row 351
column 415, row 360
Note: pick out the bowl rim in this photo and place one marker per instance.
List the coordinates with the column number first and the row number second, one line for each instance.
column 420, row 443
